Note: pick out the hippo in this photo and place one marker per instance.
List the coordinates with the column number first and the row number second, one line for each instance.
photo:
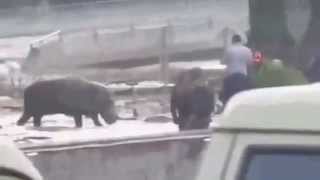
column 192, row 101
column 70, row 96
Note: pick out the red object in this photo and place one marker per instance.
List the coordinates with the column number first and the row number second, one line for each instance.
column 258, row 58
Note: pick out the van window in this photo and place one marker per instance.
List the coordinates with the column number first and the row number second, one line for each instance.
column 281, row 164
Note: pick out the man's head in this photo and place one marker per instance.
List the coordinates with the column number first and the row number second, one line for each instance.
column 236, row 39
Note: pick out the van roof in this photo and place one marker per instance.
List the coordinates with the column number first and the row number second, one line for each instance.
column 282, row 108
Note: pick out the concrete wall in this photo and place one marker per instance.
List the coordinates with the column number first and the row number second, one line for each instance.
column 73, row 50
column 172, row 157
column 137, row 31
column 82, row 51
column 195, row 25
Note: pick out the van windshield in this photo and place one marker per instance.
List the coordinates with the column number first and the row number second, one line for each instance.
column 282, row 165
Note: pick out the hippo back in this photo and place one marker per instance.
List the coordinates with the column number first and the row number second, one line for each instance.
column 67, row 94
column 83, row 95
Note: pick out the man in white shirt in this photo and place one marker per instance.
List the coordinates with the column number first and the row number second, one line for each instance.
column 237, row 59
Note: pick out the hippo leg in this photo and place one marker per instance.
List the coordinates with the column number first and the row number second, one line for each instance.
column 78, row 120
column 95, row 119
column 37, row 120
column 23, row 120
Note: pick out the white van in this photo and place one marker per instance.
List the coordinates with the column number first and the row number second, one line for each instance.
column 14, row 165
column 267, row 134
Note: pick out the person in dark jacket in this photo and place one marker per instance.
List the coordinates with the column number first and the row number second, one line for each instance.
column 192, row 101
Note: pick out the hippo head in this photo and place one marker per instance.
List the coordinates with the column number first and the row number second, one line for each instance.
column 109, row 113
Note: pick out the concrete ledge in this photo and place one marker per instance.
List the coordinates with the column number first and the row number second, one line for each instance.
column 110, row 142
column 168, row 156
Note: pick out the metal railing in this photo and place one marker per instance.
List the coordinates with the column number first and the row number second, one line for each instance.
column 134, row 41
column 46, row 39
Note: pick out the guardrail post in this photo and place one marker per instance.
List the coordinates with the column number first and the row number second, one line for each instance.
column 210, row 23
column 132, row 30
column 95, row 36
column 60, row 37
column 227, row 33
column 164, row 53
column 96, row 40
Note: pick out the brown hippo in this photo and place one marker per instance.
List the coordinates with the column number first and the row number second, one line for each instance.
column 70, row 96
